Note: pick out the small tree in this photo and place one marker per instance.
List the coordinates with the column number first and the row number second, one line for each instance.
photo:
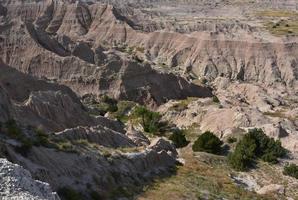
column 178, row 138
column 149, row 120
column 291, row 170
column 208, row 142
column 255, row 144
column 243, row 155
column 215, row 99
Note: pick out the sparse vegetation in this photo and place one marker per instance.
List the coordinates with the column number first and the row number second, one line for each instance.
column 111, row 104
column 42, row 139
column 215, row 99
column 124, row 107
column 280, row 22
column 67, row 193
column 183, row 104
column 179, row 139
column 149, row 120
column 208, row 142
column 291, row 170
column 277, row 13
column 231, row 140
column 204, row 176
column 106, row 104
column 283, row 27
column 14, row 131
column 255, row 144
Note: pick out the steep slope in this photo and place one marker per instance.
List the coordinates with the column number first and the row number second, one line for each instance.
column 90, row 70
column 58, row 142
column 75, row 32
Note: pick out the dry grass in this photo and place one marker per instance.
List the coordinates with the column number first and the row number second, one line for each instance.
column 203, row 176
column 277, row 13
column 183, row 104
column 283, row 27
column 280, row 22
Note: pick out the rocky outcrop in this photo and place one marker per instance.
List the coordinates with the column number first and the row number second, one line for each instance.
column 85, row 153
column 210, row 53
column 137, row 136
column 98, row 135
column 241, row 107
column 17, row 183
column 106, row 172
column 37, row 103
column 82, row 64
column 273, row 188
column 71, row 52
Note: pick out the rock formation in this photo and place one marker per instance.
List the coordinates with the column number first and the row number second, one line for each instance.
column 17, row 183
column 83, row 150
column 224, row 66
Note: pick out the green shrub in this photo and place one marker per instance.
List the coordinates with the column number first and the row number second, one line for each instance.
column 178, row 138
column 107, row 104
column 123, row 108
column 66, row 193
column 25, row 147
column 13, row 130
column 255, row 144
column 231, row 140
column 42, row 139
column 208, row 142
column 291, row 170
column 266, row 147
column 149, row 120
column 215, row 99
column 243, row 156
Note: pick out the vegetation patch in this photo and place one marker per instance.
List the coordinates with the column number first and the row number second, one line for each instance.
column 204, row 176
column 255, row 145
column 178, row 138
column 15, row 132
column 282, row 27
column 107, row 104
column 215, row 99
column 150, row 121
column 280, row 22
column 183, row 104
column 124, row 108
column 231, row 140
column 277, row 13
column 208, row 142
column 67, row 193
column 291, row 170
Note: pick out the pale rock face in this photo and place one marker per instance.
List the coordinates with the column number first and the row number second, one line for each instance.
column 242, row 107
column 152, row 52
column 81, row 63
column 273, row 188
column 17, row 183
column 137, row 136
column 98, row 135
column 54, row 110
column 72, row 56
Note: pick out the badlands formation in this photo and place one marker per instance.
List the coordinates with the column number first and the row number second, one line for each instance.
column 224, row 66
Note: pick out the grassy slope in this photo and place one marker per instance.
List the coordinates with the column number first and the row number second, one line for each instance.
column 203, row 176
